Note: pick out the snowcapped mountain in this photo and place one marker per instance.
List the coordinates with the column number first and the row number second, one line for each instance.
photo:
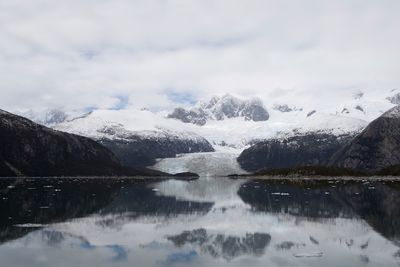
column 120, row 124
column 234, row 132
column 221, row 108
column 362, row 106
column 50, row 117
column 135, row 137
column 226, row 121
column 357, row 149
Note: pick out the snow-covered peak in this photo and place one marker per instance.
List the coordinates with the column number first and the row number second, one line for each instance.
column 122, row 124
column 228, row 106
column 221, row 108
column 50, row 117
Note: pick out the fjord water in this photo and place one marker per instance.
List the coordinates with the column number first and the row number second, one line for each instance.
column 207, row 222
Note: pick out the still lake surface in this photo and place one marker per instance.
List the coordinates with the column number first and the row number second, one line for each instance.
column 207, row 222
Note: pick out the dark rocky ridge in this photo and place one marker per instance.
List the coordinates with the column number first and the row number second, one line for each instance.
column 376, row 148
column 311, row 149
column 30, row 149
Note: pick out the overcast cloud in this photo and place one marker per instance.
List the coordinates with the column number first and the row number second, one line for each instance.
column 154, row 53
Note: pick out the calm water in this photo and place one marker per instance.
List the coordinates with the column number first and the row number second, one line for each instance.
column 208, row 222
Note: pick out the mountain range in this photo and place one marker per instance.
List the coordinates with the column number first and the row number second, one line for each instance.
column 260, row 136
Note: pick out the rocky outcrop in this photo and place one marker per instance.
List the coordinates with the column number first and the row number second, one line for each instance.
column 29, row 149
column 376, row 148
column 312, row 112
column 394, row 99
column 220, row 108
column 304, row 150
column 284, row 108
column 195, row 116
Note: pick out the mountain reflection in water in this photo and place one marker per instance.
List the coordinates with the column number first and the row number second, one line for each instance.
column 207, row 222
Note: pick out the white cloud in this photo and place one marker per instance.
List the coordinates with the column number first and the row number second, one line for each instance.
column 89, row 53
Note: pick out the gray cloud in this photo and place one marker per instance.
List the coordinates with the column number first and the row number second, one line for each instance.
column 89, row 53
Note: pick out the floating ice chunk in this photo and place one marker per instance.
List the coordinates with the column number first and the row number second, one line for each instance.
column 30, row 225
column 309, row 255
column 280, row 194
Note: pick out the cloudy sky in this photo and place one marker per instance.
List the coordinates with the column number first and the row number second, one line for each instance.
column 158, row 53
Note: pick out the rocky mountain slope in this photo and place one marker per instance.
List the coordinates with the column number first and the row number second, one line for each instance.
column 376, row 148
column 312, row 149
column 29, row 149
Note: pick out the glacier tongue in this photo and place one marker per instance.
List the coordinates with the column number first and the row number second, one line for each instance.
column 219, row 163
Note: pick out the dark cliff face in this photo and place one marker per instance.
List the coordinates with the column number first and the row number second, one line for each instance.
column 311, row 149
column 29, row 149
column 138, row 151
column 376, row 148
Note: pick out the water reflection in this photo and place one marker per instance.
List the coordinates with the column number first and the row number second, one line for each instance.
column 208, row 222
column 222, row 246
